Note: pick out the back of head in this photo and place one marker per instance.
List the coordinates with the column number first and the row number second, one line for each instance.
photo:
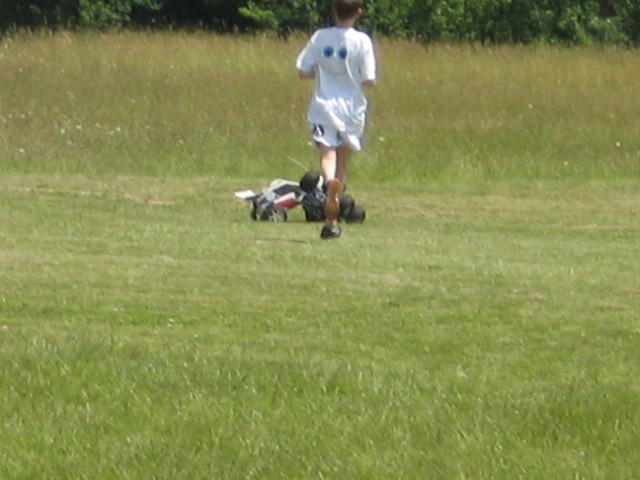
column 347, row 9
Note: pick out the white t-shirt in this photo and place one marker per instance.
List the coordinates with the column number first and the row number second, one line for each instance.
column 343, row 58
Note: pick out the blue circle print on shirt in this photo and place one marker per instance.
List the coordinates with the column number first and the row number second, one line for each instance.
column 342, row 53
column 328, row 52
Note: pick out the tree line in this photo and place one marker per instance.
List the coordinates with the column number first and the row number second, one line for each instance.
column 486, row 21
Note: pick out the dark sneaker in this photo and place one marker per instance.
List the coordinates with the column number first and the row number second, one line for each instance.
column 328, row 232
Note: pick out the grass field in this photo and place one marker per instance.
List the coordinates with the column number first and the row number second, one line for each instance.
column 481, row 324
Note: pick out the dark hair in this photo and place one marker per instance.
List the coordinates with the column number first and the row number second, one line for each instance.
column 346, row 9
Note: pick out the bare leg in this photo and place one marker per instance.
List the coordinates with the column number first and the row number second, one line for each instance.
column 332, row 207
column 333, row 162
column 331, row 168
column 328, row 162
column 343, row 154
column 336, row 186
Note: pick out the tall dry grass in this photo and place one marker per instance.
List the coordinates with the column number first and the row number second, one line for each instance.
column 199, row 104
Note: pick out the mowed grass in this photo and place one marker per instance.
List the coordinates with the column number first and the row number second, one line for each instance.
column 482, row 323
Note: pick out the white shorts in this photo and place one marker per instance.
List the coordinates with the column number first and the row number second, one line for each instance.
column 332, row 137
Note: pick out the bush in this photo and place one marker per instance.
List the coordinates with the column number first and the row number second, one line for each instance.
column 54, row 14
column 37, row 13
column 486, row 21
column 286, row 16
column 627, row 14
column 111, row 13
column 389, row 17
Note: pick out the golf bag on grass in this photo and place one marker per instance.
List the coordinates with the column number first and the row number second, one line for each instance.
column 275, row 200
column 280, row 196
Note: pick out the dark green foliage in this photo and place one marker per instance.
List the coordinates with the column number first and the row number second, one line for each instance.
column 519, row 21
column 112, row 13
column 74, row 13
column 286, row 16
column 36, row 13
column 485, row 21
column 389, row 17
column 627, row 14
column 221, row 15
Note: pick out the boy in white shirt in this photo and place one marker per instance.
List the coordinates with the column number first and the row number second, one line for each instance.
column 341, row 59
